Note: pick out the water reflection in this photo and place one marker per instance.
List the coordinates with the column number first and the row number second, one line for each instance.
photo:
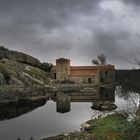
column 128, row 101
column 44, row 121
column 102, row 98
column 15, row 109
column 128, row 90
column 63, row 102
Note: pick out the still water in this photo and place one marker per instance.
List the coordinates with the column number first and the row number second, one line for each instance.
column 40, row 119
column 45, row 121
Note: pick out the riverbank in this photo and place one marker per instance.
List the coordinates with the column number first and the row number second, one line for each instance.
column 32, row 99
column 112, row 127
column 12, row 94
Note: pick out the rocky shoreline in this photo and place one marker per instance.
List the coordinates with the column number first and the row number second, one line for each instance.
column 21, row 93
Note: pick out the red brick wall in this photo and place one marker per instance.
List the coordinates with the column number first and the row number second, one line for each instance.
column 82, row 72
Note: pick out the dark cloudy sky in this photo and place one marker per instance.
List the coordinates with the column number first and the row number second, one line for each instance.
column 75, row 29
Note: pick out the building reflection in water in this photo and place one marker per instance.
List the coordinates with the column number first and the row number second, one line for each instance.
column 101, row 98
column 97, row 97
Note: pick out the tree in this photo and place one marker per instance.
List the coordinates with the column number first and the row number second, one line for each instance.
column 100, row 60
column 46, row 66
column 95, row 61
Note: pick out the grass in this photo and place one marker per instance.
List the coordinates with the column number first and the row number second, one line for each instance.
column 16, row 85
column 11, row 69
column 111, row 127
column 37, row 73
column 15, row 70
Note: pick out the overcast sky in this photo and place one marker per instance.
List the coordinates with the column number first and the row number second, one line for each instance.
column 74, row 29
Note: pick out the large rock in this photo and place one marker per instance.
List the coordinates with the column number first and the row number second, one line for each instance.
column 23, row 58
column 104, row 106
column 21, row 77
column 19, row 56
column 2, row 54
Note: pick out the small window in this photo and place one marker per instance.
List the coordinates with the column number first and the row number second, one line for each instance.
column 106, row 95
column 106, row 72
column 102, row 80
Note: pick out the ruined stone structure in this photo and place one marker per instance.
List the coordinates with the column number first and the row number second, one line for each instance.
column 62, row 69
column 83, row 74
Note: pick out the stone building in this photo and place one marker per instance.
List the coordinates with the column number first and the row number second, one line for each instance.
column 83, row 74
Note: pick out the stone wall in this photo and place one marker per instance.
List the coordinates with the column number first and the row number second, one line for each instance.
column 83, row 79
column 79, row 72
column 107, row 76
column 62, row 69
column 107, row 93
column 84, row 74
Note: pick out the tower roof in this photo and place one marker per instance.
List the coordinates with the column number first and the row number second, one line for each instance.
column 62, row 60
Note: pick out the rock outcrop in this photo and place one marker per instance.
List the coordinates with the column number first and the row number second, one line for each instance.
column 104, row 106
column 21, row 76
column 19, row 56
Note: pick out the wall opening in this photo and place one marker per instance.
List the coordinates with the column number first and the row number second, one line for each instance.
column 106, row 72
column 54, row 75
column 102, row 80
column 89, row 80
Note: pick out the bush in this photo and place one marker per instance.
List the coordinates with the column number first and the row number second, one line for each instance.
column 46, row 67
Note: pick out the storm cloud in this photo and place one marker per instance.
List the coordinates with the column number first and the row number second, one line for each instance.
column 75, row 29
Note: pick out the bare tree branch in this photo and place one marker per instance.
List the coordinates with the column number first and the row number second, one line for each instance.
column 101, row 60
column 95, row 61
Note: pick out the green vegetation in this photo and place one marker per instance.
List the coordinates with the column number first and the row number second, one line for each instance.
column 111, row 127
column 16, row 70
column 22, row 76
column 4, row 69
column 37, row 73
column 21, row 81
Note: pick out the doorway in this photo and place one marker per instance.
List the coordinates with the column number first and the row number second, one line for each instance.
column 89, row 80
column 54, row 75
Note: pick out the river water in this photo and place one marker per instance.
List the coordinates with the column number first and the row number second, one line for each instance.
column 40, row 119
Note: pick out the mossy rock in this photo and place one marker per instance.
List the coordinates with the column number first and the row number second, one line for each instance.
column 104, row 106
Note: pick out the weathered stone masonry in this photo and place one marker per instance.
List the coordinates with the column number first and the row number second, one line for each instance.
column 83, row 74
